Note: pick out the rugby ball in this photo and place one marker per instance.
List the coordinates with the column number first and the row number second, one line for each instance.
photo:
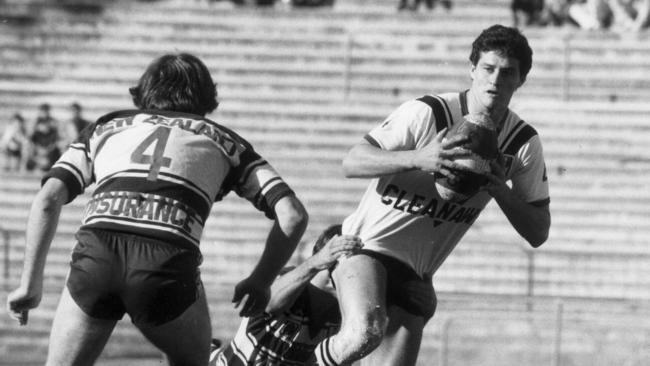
column 482, row 142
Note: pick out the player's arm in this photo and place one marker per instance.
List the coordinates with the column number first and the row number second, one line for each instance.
column 367, row 160
column 41, row 226
column 253, row 293
column 532, row 221
column 286, row 288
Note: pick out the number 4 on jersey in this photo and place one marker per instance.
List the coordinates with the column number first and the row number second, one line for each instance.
column 159, row 136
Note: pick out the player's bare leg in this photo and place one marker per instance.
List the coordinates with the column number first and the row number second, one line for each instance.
column 401, row 343
column 361, row 288
column 186, row 339
column 76, row 338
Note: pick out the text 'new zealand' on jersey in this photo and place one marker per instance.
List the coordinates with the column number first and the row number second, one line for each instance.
column 158, row 173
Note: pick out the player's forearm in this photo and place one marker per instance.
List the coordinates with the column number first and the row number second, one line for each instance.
column 286, row 288
column 531, row 222
column 291, row 221
column 41, row 226
column 367, row 161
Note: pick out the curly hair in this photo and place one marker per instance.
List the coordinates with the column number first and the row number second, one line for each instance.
column 176, row 82
column 506, row 41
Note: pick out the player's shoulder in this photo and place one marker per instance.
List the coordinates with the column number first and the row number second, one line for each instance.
column 440, row 109
column 435, row 101
column 516, row 132
column 230, row 132
column 422, row 108
column 514, row 123
column 444, row 106
column 120, row 114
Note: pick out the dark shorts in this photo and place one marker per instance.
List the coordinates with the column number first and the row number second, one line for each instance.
column 405, row 288
column 113, row 273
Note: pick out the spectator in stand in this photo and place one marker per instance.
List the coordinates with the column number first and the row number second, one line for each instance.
column 73, row 127
column 556, row 12
column 630, row 15
column 526, row 12
column 15, row 144
column 44, row 139
column 621, row 15
column 591, row 14
column 430, row 4
column 77, row 117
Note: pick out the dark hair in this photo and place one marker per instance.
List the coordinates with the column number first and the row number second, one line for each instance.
column 44, row 107
column 76, row 106
column 507, row 41
column 176, row 82
column 18, row 117
column 325, row 236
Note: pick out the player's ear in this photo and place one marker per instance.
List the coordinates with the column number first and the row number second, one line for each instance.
column 521, row 82
column 472, row 69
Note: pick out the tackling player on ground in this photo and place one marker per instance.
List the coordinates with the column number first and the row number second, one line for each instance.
column 407, row 229
column 302, row 311
column 158, row 170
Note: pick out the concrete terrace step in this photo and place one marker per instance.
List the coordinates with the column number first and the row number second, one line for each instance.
column 582, row 123
column 377, row 76
column 213, row 24
column 585, row 209
column 582, row 50
column 573, row 192
column 299, row 18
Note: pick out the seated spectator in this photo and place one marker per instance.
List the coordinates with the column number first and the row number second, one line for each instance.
column 591, row 14
column 430, row 4
column 77, row 117
column 44, row 139
column 15, row 144
column 556, row 12
column 630, row 15
column 73, row 127
column 311, row 3
column 529, row 10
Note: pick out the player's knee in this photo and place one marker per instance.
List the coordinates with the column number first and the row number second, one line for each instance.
column 365, row 333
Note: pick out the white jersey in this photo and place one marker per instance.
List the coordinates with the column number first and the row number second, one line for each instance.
column 402, row 216
column 158, row 173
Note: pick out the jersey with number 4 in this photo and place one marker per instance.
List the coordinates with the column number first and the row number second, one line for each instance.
column 158, row 173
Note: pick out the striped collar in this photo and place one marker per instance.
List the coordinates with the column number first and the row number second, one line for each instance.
column 462, row 98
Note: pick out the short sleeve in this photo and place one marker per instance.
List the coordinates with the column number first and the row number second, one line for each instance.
column 74, row 167
column 529, row 179
column 254, row 179
column 263, row 187
column 404, row 129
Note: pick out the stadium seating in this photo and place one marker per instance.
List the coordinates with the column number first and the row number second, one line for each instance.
column 303, row 86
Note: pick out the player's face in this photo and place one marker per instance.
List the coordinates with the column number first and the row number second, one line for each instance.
column 495, row 78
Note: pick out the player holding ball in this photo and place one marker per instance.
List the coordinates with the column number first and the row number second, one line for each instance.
column 419, row 204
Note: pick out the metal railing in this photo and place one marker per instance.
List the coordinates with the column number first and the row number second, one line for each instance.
column 6, row 258
column 546, row 337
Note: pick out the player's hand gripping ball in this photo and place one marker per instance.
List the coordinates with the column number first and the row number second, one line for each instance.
column 481, row 135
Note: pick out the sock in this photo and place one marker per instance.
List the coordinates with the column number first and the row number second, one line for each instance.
column 323, row 354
